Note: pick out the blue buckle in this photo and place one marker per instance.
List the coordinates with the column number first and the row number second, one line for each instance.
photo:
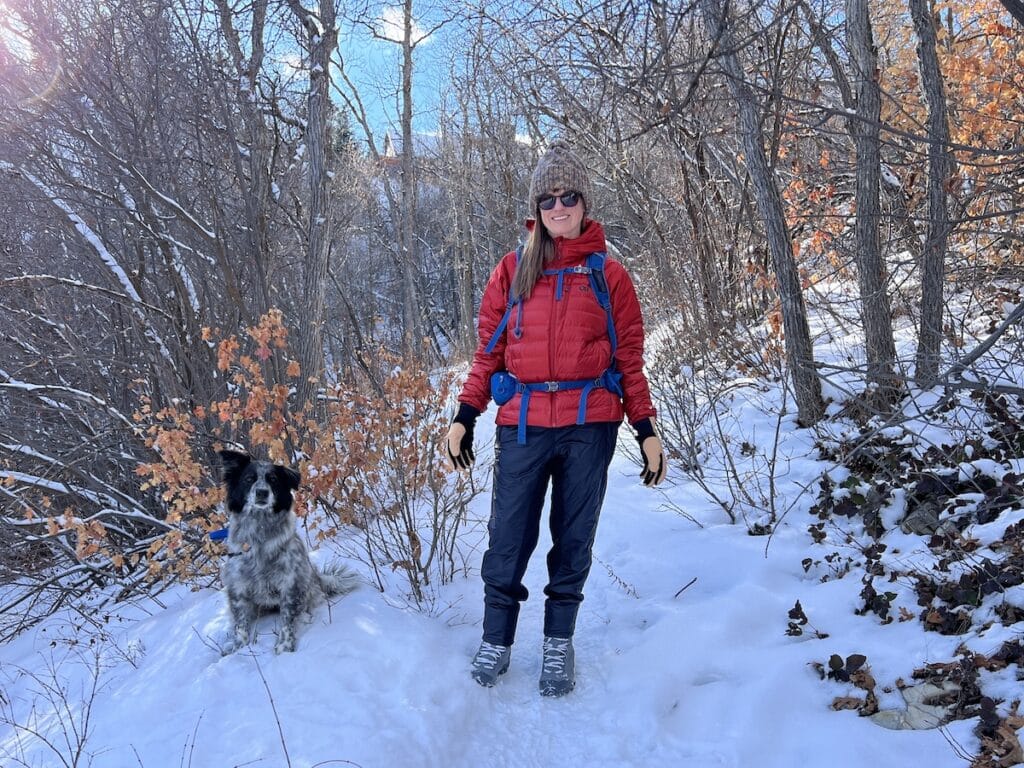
column 551, row 386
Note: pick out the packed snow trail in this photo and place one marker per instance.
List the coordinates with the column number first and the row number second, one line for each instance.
column 682, row 660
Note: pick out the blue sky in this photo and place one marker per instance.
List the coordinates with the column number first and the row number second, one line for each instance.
column 375, row 67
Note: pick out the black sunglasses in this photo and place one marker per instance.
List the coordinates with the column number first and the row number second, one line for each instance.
column 569, row 200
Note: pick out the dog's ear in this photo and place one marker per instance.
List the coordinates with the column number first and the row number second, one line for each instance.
column 233, row 463
column 289, row 477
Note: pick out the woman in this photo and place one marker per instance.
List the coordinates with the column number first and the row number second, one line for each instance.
column 570, row 368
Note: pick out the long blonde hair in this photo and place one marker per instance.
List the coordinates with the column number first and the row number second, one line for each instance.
column 537, row 251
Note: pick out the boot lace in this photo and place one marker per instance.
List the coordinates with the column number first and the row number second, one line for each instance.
column 488, row 654
column 554, row 655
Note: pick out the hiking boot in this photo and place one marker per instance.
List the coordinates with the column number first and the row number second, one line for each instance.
column 490, row 661
column 558, row 672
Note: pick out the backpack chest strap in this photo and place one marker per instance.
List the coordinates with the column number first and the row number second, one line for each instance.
column 580, row 269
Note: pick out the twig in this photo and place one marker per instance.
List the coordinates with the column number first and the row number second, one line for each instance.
column 629, row 589
column 773, row 461
column 192, row 747
column 273, row 707
column 677, row 594
column 208, row 641
column 677, row 509
column 958, row 368
column 957, row 747
column 804, row 487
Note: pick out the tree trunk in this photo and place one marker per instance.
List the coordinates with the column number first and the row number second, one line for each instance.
column 799, row 349
column 322, row 37
column 1016, row 9
column 940, row 168
column 463, row 248
column 259, row 142
column 412, row 321
column 880, row 348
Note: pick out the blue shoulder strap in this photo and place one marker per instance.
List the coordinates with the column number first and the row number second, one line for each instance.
column 599, row 286
column 512, row 301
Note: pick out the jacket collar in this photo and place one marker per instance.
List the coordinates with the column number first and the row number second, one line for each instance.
column 571, row 252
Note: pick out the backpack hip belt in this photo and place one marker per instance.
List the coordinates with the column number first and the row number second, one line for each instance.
column 507, row 384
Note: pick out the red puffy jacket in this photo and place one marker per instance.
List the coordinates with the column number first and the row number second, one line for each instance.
column 562, row 340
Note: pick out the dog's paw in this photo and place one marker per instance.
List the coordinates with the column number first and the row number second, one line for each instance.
column 229, row 647
column 238, row 639
column 285, row 641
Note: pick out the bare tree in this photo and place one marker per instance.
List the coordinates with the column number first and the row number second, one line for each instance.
column 411, row 306
column 482, row 168
column 152, row 191
column 322, row 38
column 941, row 167
column 399, row 235
column 799, row 350
column 254, row 139
column 875, row 307
column 634, row 104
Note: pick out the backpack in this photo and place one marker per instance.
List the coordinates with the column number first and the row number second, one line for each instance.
column 504, row 386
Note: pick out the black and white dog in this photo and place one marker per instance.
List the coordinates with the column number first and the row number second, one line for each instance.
column 267, row 565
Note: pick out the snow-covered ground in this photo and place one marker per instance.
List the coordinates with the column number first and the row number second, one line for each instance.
column 682, row 660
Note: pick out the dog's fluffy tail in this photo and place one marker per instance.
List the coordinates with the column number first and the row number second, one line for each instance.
column 336, row 579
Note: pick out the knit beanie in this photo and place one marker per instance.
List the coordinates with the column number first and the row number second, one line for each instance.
column 559, row 168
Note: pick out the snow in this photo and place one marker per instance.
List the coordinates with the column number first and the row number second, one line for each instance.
column 682, row 659
column 890, row 177
column 682, row 651
column 90, row 237
column 8, row 383
column 55, row 485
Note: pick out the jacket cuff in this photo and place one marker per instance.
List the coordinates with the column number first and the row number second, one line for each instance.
column 466, row 416
column 644, row 429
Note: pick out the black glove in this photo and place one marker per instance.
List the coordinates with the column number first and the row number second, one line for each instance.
column 655, row 467
column 467, row 417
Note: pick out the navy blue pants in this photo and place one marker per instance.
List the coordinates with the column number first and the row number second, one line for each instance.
column 574, row 461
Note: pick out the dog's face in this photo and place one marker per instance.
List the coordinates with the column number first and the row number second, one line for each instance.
column 257, row 486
